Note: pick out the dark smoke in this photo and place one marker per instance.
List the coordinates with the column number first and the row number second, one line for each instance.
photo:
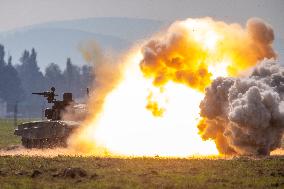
column 245, row 116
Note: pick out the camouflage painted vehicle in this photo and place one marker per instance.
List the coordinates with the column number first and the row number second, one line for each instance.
column 53, row 131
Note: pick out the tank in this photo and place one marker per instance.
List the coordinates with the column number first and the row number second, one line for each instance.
column 55, row 130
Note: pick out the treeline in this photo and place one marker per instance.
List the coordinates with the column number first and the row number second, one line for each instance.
column 18, row 80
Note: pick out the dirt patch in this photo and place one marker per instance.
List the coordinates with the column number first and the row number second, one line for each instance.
column 72, row 173
column 217, row 180
column 9, row 148
column 36, row 173
column 3, row 174
column 22, row 173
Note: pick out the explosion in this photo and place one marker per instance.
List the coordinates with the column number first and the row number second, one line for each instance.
column 148, row 103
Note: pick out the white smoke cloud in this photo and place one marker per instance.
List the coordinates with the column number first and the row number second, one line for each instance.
column 246, row 115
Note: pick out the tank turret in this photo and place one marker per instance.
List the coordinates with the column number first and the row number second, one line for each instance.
column 58, row 108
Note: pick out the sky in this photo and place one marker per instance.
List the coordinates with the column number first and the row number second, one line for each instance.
column 18, row 13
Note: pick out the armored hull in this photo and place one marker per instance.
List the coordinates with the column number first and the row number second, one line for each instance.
column 45, row 134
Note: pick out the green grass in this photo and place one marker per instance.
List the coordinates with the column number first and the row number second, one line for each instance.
column 243, row 172
column 7, row 136
column 142, row 173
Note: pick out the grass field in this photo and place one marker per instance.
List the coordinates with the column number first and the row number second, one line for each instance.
column 7, row 136
column 94, row 172
column 37, row 172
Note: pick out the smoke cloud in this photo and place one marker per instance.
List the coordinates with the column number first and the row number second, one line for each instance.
column 245, row 115
column 108, row 72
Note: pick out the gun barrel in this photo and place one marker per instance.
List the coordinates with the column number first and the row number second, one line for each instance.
column 39, row 93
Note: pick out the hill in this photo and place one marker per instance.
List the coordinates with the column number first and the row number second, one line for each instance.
column 55, row 41
column 55, row 45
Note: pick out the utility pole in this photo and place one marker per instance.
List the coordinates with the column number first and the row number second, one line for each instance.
column 43, row 110
column 88, row 92
column 15, row 113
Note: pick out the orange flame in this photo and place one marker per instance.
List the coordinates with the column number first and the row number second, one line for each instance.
column 168, row 78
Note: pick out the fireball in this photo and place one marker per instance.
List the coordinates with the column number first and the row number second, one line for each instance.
column 152, row 108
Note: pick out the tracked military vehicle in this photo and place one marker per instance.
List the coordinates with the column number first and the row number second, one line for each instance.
column 54, row 131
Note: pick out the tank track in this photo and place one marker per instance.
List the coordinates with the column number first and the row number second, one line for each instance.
column 44, row 143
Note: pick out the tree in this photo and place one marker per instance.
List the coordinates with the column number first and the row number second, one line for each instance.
column 10, row 84
column 2, row 55
column 86, row 76
column 32, row 80
column 29, row 72
column 13, row 92
column 2, row 70
column 72, row 78
column 54, row 77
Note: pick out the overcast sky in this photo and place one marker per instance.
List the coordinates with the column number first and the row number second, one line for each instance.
column 18, row 13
